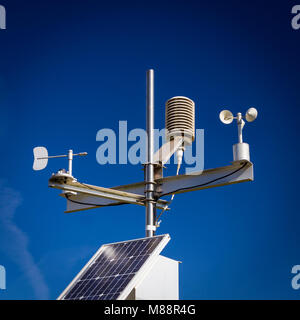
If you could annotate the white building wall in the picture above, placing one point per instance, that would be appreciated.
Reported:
(161, 282)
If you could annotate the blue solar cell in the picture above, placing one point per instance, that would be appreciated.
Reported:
(110, 271)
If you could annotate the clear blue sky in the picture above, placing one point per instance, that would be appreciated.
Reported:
(70, 68)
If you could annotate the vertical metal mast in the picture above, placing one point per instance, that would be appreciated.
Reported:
(70, 158)
(149, 166)
(241, 124)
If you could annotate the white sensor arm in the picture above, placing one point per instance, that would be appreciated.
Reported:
(167, 150)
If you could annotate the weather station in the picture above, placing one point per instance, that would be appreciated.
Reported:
(135, 269)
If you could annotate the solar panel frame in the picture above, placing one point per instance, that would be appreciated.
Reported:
(136, 277)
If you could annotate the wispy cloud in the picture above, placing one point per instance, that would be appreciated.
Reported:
(14, 242)
(62, 264)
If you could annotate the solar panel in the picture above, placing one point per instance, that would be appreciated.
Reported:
(114, 270)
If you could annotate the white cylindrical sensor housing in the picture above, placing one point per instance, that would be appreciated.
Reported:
(241, 152)
(180, 118)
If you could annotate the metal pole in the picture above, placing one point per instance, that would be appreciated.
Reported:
(149, 167)
(70, 158)
(240, 127)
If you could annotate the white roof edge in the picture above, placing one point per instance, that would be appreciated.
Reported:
(140, 275)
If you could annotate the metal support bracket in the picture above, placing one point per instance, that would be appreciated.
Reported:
(89, 197)
(84, 196)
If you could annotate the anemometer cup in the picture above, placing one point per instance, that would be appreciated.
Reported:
(226, 116)
(241, 152)
(251, 114)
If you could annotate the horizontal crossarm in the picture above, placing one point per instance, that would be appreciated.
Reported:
(83, 196)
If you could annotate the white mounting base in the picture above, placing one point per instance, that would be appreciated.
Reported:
(241, 152)
(160, 283)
